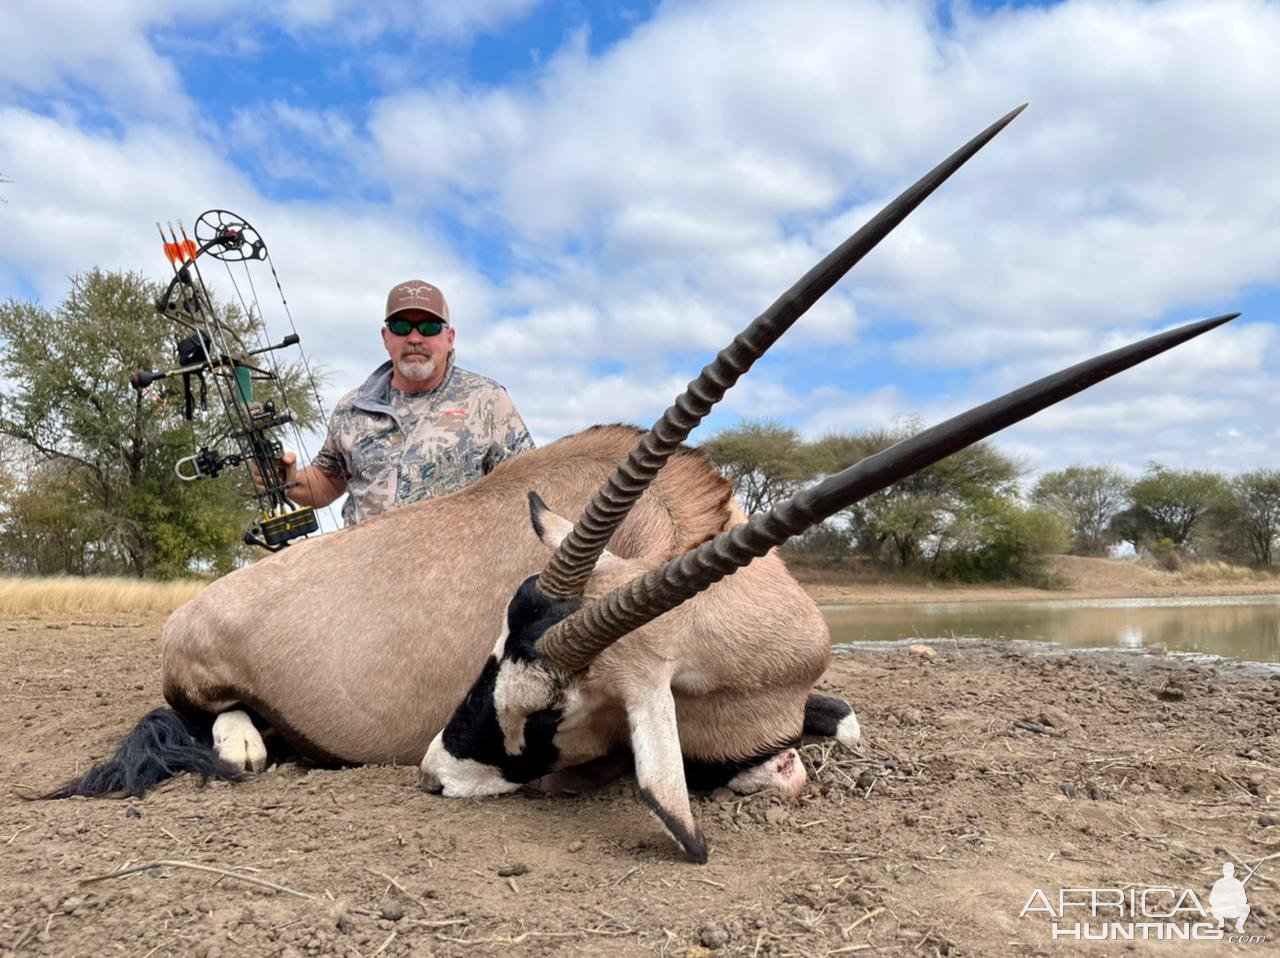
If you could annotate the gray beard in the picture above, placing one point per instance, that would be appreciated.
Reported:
(418, 369)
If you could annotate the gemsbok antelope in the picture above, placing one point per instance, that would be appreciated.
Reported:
(686, 642)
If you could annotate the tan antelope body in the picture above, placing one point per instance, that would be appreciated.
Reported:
(359, 645)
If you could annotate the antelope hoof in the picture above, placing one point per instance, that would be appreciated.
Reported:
(783, 771)
(849, 732)
(832, 718)
(238, 742)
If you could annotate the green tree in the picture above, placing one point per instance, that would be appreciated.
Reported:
(103, 453)
(1252, 519)
(1170, 504)
(1127, 525)
(1000, 538)
(766, 461)
(45, 528)
(1087, 498)
(913, 521)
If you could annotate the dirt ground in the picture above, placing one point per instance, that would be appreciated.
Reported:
(1142, 772)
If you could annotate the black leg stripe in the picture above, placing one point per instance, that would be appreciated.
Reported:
(694, 845)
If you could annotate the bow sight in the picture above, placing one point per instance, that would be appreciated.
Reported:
(211, 351)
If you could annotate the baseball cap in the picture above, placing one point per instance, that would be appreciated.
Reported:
(415, 294)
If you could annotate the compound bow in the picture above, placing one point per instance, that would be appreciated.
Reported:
(211, 349)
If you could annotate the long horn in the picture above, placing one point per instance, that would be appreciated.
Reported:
(566, 574)
(574, 642)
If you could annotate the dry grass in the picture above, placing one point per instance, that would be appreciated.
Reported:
(67, 594)
(1223, 572)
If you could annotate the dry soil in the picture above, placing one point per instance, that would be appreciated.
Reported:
(1144, 772)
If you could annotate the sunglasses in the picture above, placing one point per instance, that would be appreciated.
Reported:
(425, 327)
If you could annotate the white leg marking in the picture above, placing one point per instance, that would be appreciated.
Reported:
(655, 743)
(849, 732)
(238, 742)
(783, 771)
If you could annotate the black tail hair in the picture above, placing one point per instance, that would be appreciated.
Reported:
(161, 746)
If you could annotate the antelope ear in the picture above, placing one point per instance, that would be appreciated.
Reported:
(655, 742)
(552, 528)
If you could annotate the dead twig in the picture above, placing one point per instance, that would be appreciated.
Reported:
(421, 903)
(1228, 778)
(517, 940)
(23, 937)
(625, 877)
(625, 929)
(383, 947)
(1038, 728)
(867, 917)
(170, 863)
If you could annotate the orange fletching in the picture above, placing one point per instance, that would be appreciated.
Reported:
(179, 252)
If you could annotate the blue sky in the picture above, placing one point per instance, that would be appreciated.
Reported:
(607, 192)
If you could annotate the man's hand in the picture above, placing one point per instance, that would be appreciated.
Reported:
(303, 487)
(286, 464)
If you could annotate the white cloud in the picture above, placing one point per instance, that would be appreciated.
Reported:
(658, 194)
(80, 49)
(317, 147)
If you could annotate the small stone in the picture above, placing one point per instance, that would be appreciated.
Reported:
(1266, 821)
(777, 815)
(132, 813)
(922, 652)
(866, 780)
(339, 915)
(1069, 790)
(575, 846)
(911, 716)
(510, 871)
(73, 904)
(1055, 717)
(723, 795)
(910, 821)
(392, 911)
(714, 936)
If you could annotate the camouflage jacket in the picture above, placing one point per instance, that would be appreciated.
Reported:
(394, 448)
